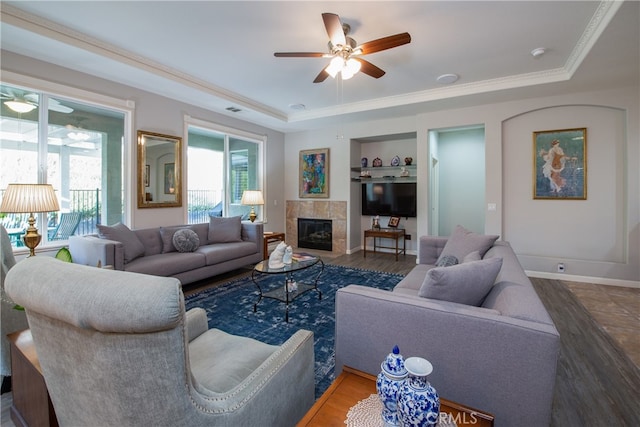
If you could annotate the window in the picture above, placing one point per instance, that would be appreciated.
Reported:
(221, 164)
(76, 146)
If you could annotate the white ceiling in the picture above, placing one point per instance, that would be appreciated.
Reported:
(217, 54)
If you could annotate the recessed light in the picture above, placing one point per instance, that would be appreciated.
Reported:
(539, 51)
(446, 79)
(297, 106)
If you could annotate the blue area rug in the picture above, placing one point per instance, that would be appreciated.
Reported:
(230, 308)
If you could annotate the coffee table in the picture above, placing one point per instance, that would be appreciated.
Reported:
(281, 293)
(352, 386)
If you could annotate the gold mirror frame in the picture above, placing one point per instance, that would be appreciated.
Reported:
(159, 170)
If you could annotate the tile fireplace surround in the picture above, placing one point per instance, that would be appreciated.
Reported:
(333, 210)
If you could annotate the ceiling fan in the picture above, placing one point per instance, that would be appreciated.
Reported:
(24, 103)
(346, 53)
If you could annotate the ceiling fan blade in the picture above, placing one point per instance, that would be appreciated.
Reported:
(384, 43)
(56, 106)
(299, 54)
(369, 69)
(334, 29)
(322, 76)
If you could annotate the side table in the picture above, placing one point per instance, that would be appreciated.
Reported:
(386, 233)
(32, 405)
(352, 386)
(270, 237)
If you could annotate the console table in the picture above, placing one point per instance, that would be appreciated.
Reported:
(31, 405)
(386, 233)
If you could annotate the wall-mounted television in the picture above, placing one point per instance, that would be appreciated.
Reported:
(389, 198)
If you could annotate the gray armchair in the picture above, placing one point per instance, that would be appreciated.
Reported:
(117, 348)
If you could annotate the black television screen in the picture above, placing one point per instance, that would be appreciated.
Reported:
(389, 198)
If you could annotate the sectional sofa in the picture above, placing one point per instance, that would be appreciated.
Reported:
(495, 351)
(187, 252)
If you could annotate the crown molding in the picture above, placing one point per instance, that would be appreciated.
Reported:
(13, 16)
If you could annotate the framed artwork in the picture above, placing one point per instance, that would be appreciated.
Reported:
(394, 221)
(169, 178)
(146, 175)
(560, 164)
(314, 173)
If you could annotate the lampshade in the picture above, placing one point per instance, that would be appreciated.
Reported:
(252, 198)
(29, 198)
(20, 106)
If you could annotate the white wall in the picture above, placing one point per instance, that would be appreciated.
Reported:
(600, 237)
(166, 116)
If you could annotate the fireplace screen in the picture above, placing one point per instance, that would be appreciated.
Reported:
(315, 234)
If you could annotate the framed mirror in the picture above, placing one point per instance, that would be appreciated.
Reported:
(159, 170)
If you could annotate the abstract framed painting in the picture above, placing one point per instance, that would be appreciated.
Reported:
(314, 173)
(560, 164)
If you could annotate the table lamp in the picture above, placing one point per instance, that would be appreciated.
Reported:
(252, 198)
(30, 198)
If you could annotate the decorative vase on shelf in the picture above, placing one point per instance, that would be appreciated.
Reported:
(364, 162)
(391, 377)
(377, 162)
(408, 161)
(418, 401)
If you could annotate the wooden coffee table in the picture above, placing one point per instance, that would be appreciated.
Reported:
(352, 386)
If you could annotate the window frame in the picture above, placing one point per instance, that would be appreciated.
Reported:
(48, 90)
(228, 132)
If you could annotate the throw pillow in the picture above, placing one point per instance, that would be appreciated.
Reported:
(447, 261)
(467, 283)
(133, 247)
(462, 242)
(473, 256)
(186, 240)
(225, 229)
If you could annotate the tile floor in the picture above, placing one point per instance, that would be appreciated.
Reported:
(617, 311)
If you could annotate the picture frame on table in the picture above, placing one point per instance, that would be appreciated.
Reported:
(394, 221)
(314, 173)
(560, 164)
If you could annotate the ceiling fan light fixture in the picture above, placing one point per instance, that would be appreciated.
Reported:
(20, 106)
(78, 136)
(334, 66)
(351, 67)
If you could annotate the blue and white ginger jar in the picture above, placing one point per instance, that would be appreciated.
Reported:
(390, 379)
(418, 401)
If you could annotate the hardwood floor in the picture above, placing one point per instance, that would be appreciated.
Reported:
(590, 388)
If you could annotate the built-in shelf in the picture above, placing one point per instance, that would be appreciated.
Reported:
(384, 174)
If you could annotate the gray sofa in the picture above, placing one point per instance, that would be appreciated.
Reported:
(151, 250)
(498, 357)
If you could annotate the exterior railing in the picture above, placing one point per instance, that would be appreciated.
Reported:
(200, 204)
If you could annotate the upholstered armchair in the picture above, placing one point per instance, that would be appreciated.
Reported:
(117, 348)
(12, 319)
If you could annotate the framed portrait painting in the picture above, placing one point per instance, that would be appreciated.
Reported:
(314, 173)
(560, 164)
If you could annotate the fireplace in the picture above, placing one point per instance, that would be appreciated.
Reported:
(315, 234)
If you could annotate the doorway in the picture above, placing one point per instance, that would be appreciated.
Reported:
(457, 180)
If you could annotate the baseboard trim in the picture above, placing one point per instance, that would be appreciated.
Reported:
(585, 279)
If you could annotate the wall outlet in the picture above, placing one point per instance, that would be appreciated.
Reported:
(560, 267)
